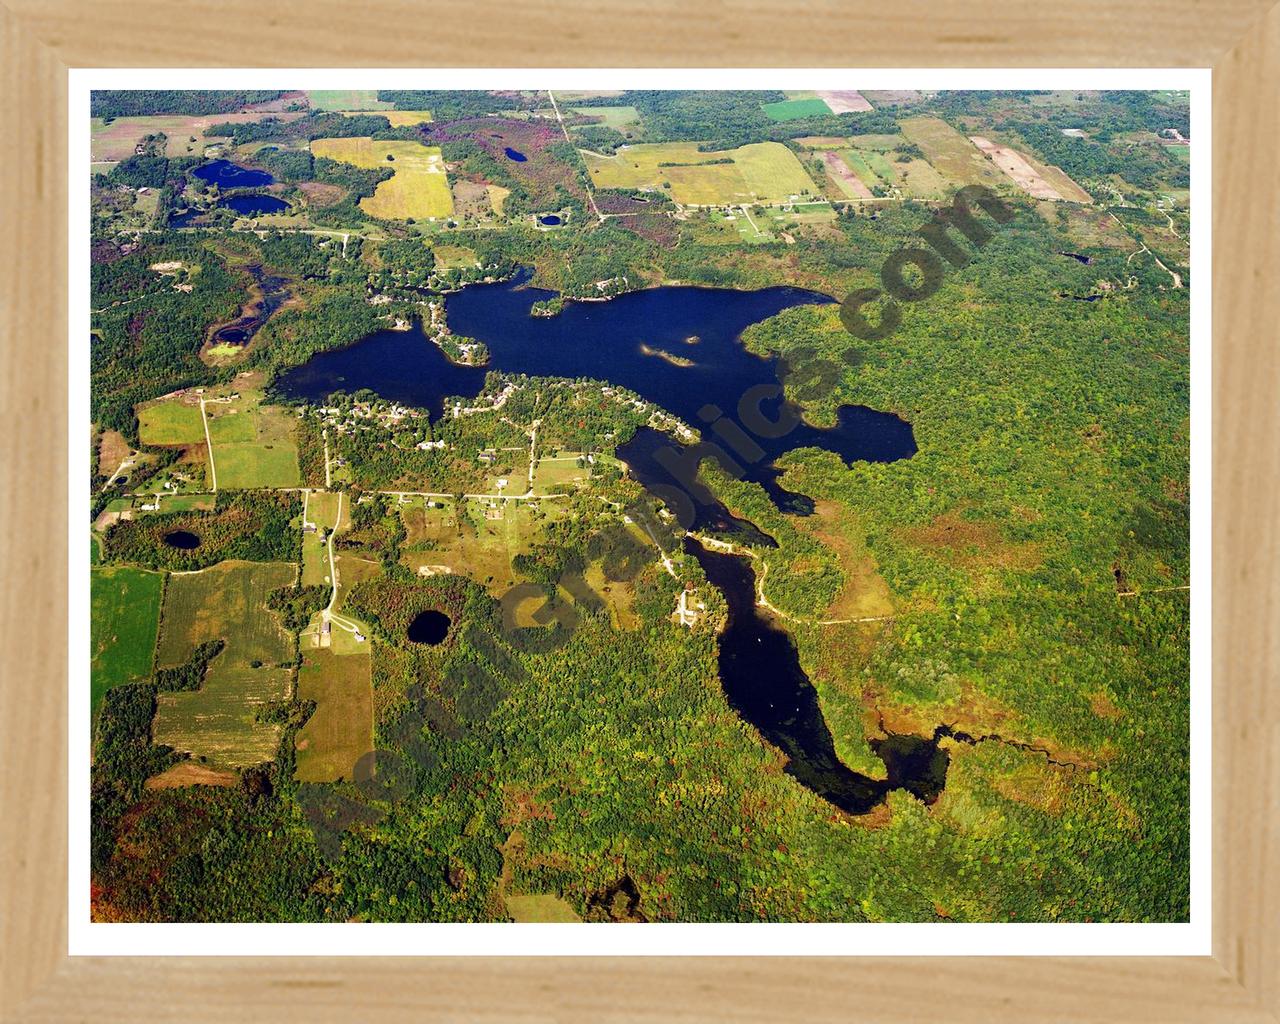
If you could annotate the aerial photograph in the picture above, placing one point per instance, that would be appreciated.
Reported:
(639, 506)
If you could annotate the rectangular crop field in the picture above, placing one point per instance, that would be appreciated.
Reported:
(844, 101)
(950, 153)
(878, 143)
(792, 110)
(170, 422)
(253, 444)
(763, 172)
(612, 117)
(229, 602)
(346, 99)
(125, 616)
(418, 189)
(340, 730)
(406, 118)
(1029, 175)
(850, 185)
(856, 163)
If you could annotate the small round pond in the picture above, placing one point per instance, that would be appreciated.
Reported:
(515, 154)
(550, 220)
(429, 627)
(184, 539)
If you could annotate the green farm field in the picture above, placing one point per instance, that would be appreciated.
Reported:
(611, 117)
(227, 602)
(340, 730)
(253, 444)
(951, 154)
(418, 189)
(760, 172)
(125, 616)
(170, 422)
(792, 110)
(354, 100)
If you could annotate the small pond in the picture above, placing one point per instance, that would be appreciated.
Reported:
(225, 174)
(251, 206)
(515, 154)
(429, 627)
(184, 539)
(550, 220)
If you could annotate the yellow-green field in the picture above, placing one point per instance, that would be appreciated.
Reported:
(125, 614)
(406, 118)
(612, 117)
(558, 475)
(763, 172)
(228, 602)
(950, 153)
(322, 511)
(253, 444)
(346, 99)
(418, 189)
(170, 422)
(480, 547)
(541, 908)
(340, 730)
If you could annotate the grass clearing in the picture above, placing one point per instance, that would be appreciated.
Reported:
(354, 100)
(124, 610)
(611, 117)
(950, 153)
(476, 546)
(541, 908)
(419, 189)
(758, 173)
(229, 602)
(170, 422)
(253, 444)
(793, 110)
(340, 731)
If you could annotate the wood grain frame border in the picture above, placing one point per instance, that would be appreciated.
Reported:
(41, 39)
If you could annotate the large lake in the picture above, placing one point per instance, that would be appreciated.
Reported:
(677, 347)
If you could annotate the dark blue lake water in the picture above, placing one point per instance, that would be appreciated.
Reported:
(550, 220)
(515, 154)
(251, 206)
(225, 174)
(677, 347)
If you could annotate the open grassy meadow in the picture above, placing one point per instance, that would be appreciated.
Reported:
(418, 189)
(125, 616)
(253, 444)
(355, 100)
(170, 422)
(950, 153)
(792, 110)
(763, 172)
(340, 730)
(321, 512)
(227, 602)
(406, 118)
(611, 117)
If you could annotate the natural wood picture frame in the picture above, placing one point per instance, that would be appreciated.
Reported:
(1239, 39)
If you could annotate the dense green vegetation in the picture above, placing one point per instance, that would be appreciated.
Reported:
(139, 102)
(252, 525)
